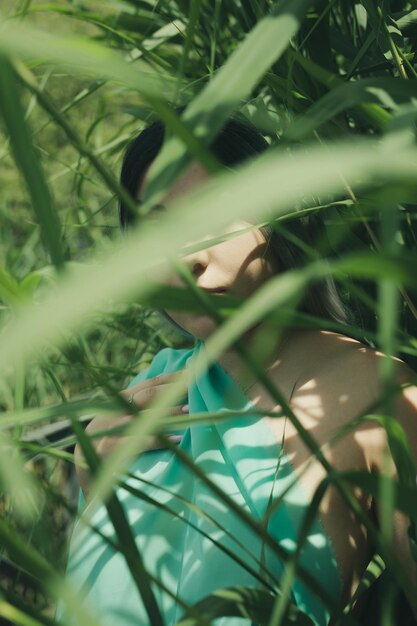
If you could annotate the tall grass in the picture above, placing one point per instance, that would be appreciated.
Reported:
(333, 88)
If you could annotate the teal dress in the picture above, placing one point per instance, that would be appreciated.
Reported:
(240, 455)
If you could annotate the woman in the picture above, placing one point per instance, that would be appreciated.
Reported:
(326, 378)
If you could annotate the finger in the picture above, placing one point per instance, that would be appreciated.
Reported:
(160, 445)
(158, 380)
(102, 425)
(111, 437)
(172, 411)
(144, 396)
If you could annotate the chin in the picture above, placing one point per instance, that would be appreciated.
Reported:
(200, 326)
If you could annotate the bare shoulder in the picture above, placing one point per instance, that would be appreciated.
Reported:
(335, 379)
(344, 363)
(341, 380)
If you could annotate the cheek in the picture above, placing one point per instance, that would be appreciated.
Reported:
(250, 252)
(246, 261)
(260, 270)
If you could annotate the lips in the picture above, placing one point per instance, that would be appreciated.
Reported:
(217, 290)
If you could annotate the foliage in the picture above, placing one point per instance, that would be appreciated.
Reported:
(331, 84)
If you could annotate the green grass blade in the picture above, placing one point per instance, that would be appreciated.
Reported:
(135, 259)
(372, 574)
(244, 602)
(230, 86)
(383, 91)
(17, 481)
(125, 538)
(374, 113)
(28, 162)
(24, 555)
(85, 57)
(405, 498)
(10, 292)
(245, 565)
(13, 615)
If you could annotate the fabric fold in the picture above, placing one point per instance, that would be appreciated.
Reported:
(239, 455)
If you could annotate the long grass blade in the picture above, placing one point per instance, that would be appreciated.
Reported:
(387, 92)
(28, 162)
(234, 82)
(136, 259)
(126, 541)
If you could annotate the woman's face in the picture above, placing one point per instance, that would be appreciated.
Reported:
(238, 266)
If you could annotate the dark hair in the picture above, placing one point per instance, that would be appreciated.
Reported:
(237, 141)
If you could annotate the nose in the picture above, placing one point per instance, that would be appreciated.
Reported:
(196, 262)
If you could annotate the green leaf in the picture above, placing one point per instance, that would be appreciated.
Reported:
(371, 575)
(15, 616)
(405, 498)
(387, 92)
(17, 481)
(28, 162)
(244, 602)
(276, 182)
(374, 113)
(10, 291)
(124, 534)
(231, 85)
(84, 56)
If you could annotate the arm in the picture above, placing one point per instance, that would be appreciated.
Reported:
(142, 394)
(405, 413)
(339, 386)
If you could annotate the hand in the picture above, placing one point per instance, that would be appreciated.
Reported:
(141, 395)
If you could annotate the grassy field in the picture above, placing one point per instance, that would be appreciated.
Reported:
(332, 83)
